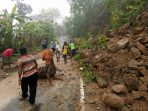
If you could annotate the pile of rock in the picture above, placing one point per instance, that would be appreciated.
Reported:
(123, 68)
(128, 60)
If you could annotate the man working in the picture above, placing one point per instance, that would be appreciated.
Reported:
(27, 75)
(72, 48)
(6, 57)
(47, 56)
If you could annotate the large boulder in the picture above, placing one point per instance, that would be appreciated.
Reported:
(138, 30)
(131, 82)
(112, 48)
(85, 53)
(133, 64)
(135, 53)
(143, 88)
(113, 100)
(145, 79)
(142, 48)
(143, 71)
(102, 58)
(137, 94)
(128, 100)
(123, 42)
(119, 88)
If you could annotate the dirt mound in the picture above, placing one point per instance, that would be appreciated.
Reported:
(125, 62)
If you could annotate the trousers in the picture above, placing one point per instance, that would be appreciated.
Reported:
(31, 84)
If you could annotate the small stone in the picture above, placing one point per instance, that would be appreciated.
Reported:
(102, 83)
(98, 108)
(92, 102)
(72, 78)
(7, 74)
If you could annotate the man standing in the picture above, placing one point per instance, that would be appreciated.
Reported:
(43, 42)
(65, 51)
(6, 57)
(72, 48)
(27, 75)
(53, 46)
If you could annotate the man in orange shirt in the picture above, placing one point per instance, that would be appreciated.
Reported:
(47, 56)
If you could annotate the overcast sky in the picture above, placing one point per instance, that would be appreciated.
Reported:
(37, 5)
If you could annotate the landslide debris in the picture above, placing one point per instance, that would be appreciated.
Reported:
(122, 69)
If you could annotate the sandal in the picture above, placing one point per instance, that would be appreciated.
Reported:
(22, 98)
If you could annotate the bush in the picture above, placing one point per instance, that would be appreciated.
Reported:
(85, 44)
(77, 57)
(102, 41)
(87, 74)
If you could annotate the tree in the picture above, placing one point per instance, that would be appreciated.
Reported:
(95, 16)
(23, 8)
(25, 31)
(88, 17)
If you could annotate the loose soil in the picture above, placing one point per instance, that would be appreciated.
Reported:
(62, 96)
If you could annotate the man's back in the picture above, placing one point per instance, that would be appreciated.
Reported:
(72, 46)
(28, 65)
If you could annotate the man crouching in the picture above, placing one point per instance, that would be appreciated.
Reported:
(47, 56)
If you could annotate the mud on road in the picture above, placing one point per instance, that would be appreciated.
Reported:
(64, 95)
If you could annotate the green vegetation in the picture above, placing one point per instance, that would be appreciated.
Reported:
(85, 44)
(18, 29)
(87, 74)
(77, 57)
(97, 16)
(102, 41)
(124, 11)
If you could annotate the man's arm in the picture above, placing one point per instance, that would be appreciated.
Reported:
(63, 49)
(43, 55)
(36, 65)
(19, 73)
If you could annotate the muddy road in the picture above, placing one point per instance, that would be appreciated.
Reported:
(64, 95)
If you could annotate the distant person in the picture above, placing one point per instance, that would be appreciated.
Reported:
(6, 57)
(65, 51)
(47, 56)
(27, 75)
(72, 48)
(57, 52)
(44, 42)
(53, 46)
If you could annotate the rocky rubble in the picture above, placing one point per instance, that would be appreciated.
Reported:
(124, 65)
